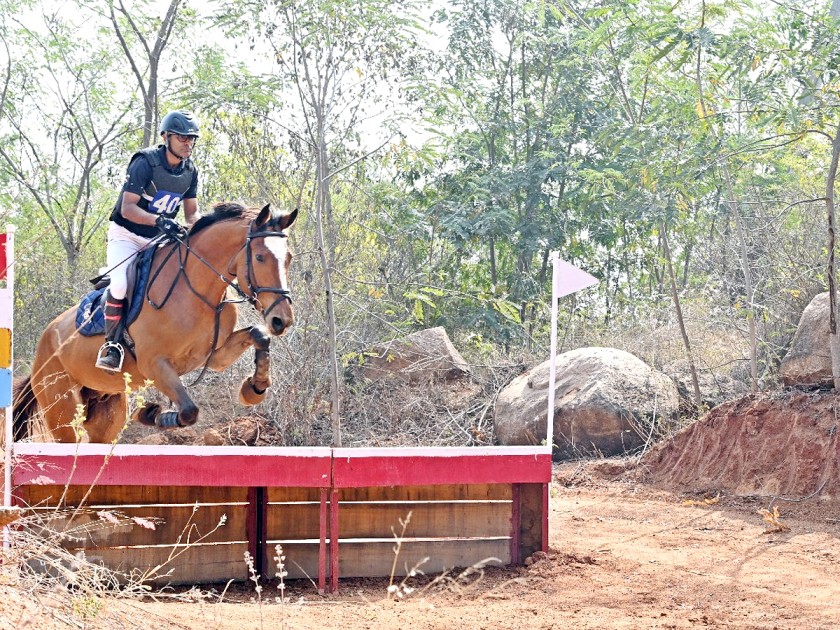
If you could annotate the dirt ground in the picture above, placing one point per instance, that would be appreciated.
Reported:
(733, 523)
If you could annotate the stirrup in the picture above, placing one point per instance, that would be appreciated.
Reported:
(105, 354)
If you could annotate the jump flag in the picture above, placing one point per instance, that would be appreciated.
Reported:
(565, 280)
(569, 279)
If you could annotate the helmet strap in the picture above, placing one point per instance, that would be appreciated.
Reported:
(168, 144)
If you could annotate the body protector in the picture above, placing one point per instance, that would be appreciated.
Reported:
(162, 195)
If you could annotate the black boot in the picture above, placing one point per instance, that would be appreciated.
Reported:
(111, 353)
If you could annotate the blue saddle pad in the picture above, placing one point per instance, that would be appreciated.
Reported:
(90, 318)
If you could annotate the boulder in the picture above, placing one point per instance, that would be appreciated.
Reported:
(808, 361)
(716, 387)
(421, 356)
(607, 402)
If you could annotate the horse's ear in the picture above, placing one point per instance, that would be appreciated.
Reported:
(286, 221)
(263, 216)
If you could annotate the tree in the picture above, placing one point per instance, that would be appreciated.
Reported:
(337, 56)
(147, 78)
(62, 115)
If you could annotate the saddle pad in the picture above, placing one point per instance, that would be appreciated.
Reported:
(90, 318)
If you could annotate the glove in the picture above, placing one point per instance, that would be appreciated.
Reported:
(170, 228)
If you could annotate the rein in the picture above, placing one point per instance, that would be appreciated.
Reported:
(253, 287)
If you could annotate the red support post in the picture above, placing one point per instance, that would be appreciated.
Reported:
(545, 515)
(516, 524)
(334, 541)
(322, 544)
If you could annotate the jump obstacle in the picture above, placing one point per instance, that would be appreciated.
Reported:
(335, 512)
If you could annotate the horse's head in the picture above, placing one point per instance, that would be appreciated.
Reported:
(263, 268)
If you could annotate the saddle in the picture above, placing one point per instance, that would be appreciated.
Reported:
(90, 318)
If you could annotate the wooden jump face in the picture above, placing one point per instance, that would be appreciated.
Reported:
(335, 512)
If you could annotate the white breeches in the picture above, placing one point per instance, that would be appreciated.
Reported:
(122, 246)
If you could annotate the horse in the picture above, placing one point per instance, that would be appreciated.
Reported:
(186, 323)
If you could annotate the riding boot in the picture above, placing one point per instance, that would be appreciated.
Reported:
(111, 353)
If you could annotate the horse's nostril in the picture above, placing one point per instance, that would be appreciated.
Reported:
(277, 325)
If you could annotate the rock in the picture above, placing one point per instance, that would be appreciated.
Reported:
(808, 361)
(212, 437)
(155, 439)
(243, 431)
(715, 387)
(184, 436)
(419, 357)
(607, 402)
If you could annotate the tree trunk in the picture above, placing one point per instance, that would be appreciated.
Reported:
(666, 249)
(832, 279)
(148, 90)
(322, 210)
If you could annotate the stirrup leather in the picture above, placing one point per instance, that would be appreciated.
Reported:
(103, 353)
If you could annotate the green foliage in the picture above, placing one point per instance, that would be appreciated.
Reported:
(574, 127)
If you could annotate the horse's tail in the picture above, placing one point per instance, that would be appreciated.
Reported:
(25, 406)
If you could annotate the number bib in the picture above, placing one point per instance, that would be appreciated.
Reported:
(164, 202)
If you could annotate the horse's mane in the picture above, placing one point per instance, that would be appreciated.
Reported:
(225, 210)
(222, 211)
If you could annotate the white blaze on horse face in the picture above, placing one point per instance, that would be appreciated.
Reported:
(277, 246)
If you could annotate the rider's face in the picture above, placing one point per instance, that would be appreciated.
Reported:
(182, 146)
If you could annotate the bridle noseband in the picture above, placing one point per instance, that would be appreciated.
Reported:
(253, 287)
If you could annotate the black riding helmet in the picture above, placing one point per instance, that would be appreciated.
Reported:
(181, 122)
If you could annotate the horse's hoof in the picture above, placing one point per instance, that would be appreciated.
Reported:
(147, 415)
(249, 394)
(168, 420)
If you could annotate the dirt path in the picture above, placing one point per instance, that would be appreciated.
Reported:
(644, 546)
(623, 555)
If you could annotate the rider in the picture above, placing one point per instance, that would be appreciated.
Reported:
(159, 181)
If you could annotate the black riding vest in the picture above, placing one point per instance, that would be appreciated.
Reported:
(162, 195)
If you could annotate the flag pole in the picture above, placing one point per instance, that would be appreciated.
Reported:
(552, 366)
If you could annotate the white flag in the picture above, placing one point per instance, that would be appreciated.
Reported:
(568, 278)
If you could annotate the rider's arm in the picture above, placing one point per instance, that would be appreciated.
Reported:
(190, 210)
(137, 179)
(189, 203)
(131, 211)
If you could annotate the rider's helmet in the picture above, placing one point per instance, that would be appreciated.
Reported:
(181, 122)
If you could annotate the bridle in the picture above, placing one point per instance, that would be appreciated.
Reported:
(245, 296)
(253, 287)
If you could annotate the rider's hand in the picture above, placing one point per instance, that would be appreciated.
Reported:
(170, 227)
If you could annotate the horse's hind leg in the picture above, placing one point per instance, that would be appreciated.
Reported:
(106, 417)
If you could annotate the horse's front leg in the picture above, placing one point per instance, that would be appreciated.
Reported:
(253, 388)
(168, 382)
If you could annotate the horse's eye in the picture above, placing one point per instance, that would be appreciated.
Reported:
(260, 258)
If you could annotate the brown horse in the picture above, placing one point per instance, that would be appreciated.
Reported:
(185, 324)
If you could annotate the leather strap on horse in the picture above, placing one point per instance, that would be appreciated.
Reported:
(253, 288)
(283, 294)
(217, 309)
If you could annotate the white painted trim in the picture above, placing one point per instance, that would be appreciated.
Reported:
(439, 451)
(149, 450)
